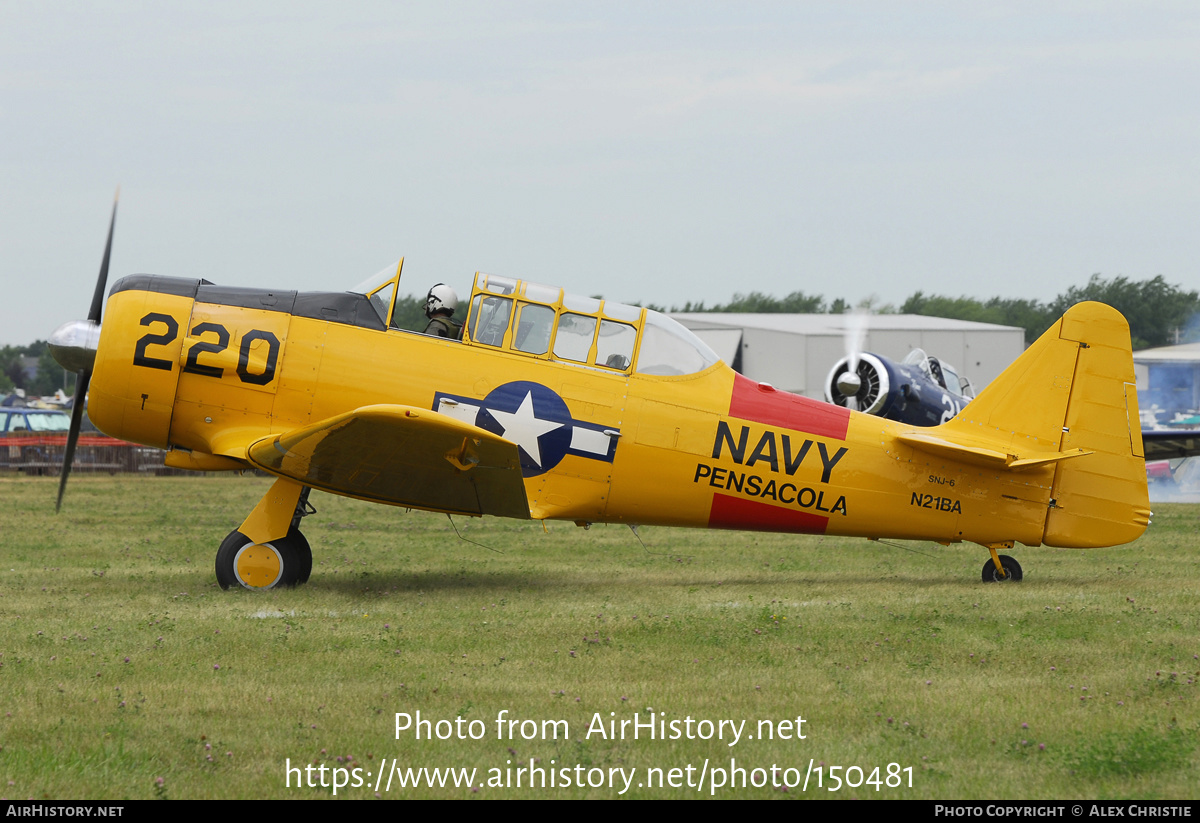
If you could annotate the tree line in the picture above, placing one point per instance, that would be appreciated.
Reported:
(44, 379)
(1159, 314)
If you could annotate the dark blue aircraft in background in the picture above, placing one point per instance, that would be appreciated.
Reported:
(920, 390)
(924, 391)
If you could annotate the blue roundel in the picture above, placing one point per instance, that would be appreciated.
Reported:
(533, 417)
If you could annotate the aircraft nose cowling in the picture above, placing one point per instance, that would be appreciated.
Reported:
(74, 344)
(865, 389)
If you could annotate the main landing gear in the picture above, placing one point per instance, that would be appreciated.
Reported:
(286, 561)
(1001, 568)
(268, 551)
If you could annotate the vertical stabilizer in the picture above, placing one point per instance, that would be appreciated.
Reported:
(1025, 408)
(1073, 389)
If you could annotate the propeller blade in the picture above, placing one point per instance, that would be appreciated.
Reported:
(855, 336)
(102, 280)
(85, 374)
(81, 387)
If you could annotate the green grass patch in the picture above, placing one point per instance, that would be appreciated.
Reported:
(122, 663)
(1131, 753)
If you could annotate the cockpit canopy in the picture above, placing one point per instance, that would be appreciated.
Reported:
(940, 372)
(380, 289)
(539, 321)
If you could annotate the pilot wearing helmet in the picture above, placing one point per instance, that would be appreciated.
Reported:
(440, 304)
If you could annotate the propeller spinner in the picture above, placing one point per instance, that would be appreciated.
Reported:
(74, 345)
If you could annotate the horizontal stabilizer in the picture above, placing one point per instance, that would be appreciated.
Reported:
(983, 455)
(404, 456)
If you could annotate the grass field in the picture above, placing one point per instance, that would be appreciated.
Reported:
(126, 673)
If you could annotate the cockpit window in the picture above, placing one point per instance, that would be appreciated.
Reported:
(533, 327)
(380, 289)
(574, 338)
(496, 285)
(576, 302)
(953, 384)
(381, 301)
(670, 349)
(533, 319)
(489, 319)
(939, 372)
(619, 311)
(614, 349)
(542, 294)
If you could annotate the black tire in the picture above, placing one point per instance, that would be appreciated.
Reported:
(1012, 570)
(303, 555)
(291, 555)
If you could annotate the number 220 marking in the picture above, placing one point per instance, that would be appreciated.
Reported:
(192, 363)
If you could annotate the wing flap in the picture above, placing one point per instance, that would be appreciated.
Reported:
(404, 456)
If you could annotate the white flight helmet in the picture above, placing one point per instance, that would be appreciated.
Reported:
(440, 298)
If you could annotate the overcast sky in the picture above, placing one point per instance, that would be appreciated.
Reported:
(646, 151)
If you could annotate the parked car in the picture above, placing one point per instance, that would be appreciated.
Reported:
(33, 441)
(13, 419)
(33, 438)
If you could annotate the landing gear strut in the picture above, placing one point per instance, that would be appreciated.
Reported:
(268, 551)
(1001, 568)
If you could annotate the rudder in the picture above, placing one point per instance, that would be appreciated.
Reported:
(1100, 499)
(1073, 389)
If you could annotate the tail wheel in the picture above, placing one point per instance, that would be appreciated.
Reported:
(1012, 571)
(280, 563)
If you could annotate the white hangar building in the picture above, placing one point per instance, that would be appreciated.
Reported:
(795, 352)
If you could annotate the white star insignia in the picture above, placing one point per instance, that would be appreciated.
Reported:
(524, 428)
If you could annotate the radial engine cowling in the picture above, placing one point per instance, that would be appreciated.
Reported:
(865, 388)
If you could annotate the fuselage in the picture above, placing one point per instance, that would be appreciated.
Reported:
(193, 367)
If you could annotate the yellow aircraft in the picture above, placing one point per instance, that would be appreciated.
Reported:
(556, 406)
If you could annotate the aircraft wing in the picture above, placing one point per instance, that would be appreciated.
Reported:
(1165, 444)
(404, 456)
